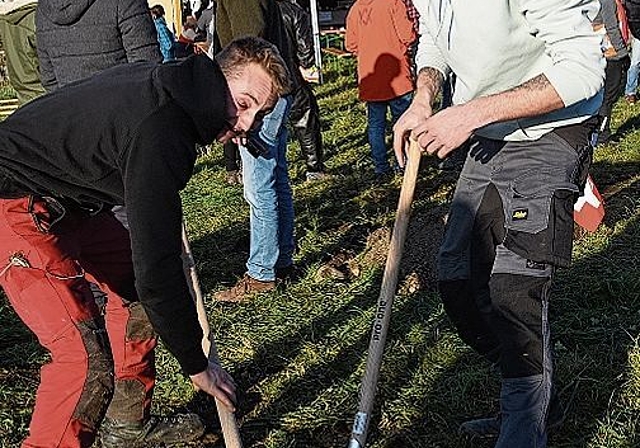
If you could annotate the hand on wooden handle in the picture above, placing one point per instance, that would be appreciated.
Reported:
(218, 383)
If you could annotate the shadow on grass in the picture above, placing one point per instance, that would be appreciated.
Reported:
(591, 321)
(626, 128)
(274, 357)
(607, 174)
(277, 356)
(618, 183)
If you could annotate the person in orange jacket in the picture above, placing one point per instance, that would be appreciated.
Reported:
(380, 34)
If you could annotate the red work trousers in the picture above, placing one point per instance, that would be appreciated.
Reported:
(101, 357)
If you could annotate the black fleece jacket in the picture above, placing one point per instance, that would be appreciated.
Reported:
(127, 137)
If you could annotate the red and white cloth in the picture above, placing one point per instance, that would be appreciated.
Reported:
(588, 211)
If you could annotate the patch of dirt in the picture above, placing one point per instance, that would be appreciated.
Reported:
(418, 265)
(346, 265)
(424, 236)
(342, 267)
(377, 247)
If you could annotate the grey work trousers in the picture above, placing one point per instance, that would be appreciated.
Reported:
(510, 226)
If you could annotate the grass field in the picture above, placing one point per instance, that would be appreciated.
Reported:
(298, 353)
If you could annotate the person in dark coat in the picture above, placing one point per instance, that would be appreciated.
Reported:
(304, 116)
(78, 38)
(125, 136)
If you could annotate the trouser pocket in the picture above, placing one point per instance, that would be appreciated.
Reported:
(539, 216)
(45, 212)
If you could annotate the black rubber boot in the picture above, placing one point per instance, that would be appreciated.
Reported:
(157, 431)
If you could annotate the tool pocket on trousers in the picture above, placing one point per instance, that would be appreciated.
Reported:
(539, 217)
(52, 297)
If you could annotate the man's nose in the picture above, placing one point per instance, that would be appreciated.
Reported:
(246, 120)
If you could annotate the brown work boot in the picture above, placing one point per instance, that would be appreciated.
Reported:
(246, 287)
(156, 431)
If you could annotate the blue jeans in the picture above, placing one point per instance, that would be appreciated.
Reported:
(634, 68)
(268, 192)
(377, 127)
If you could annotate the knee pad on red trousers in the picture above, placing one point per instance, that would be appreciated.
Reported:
(134, 370)
(98, 387)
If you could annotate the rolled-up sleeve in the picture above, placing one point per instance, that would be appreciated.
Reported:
(577, 70)
(427, 53)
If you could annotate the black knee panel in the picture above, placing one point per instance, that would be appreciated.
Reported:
(462, 309)
(518, 317)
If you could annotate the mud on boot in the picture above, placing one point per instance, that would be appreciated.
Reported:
(156, 431)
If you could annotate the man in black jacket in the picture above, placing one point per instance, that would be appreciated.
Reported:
(77, 39)
(123, 137)
(304, 116)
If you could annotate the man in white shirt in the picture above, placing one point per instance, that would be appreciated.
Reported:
(529, 79)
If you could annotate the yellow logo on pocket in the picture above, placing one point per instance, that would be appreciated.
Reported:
(520, 214)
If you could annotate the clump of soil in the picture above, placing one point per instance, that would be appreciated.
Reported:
(341, 266)
(377, 248)
(345, 265)
(418, 265)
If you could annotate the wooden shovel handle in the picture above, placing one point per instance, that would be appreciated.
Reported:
(228, 422)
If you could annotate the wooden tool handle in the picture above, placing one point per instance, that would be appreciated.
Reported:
(385, 301)
(230, 430)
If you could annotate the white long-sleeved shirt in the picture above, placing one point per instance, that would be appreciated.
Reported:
(495, 45)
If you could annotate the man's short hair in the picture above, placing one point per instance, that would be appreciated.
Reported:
(255, 50)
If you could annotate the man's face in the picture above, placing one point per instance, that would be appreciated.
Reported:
(249, 97)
